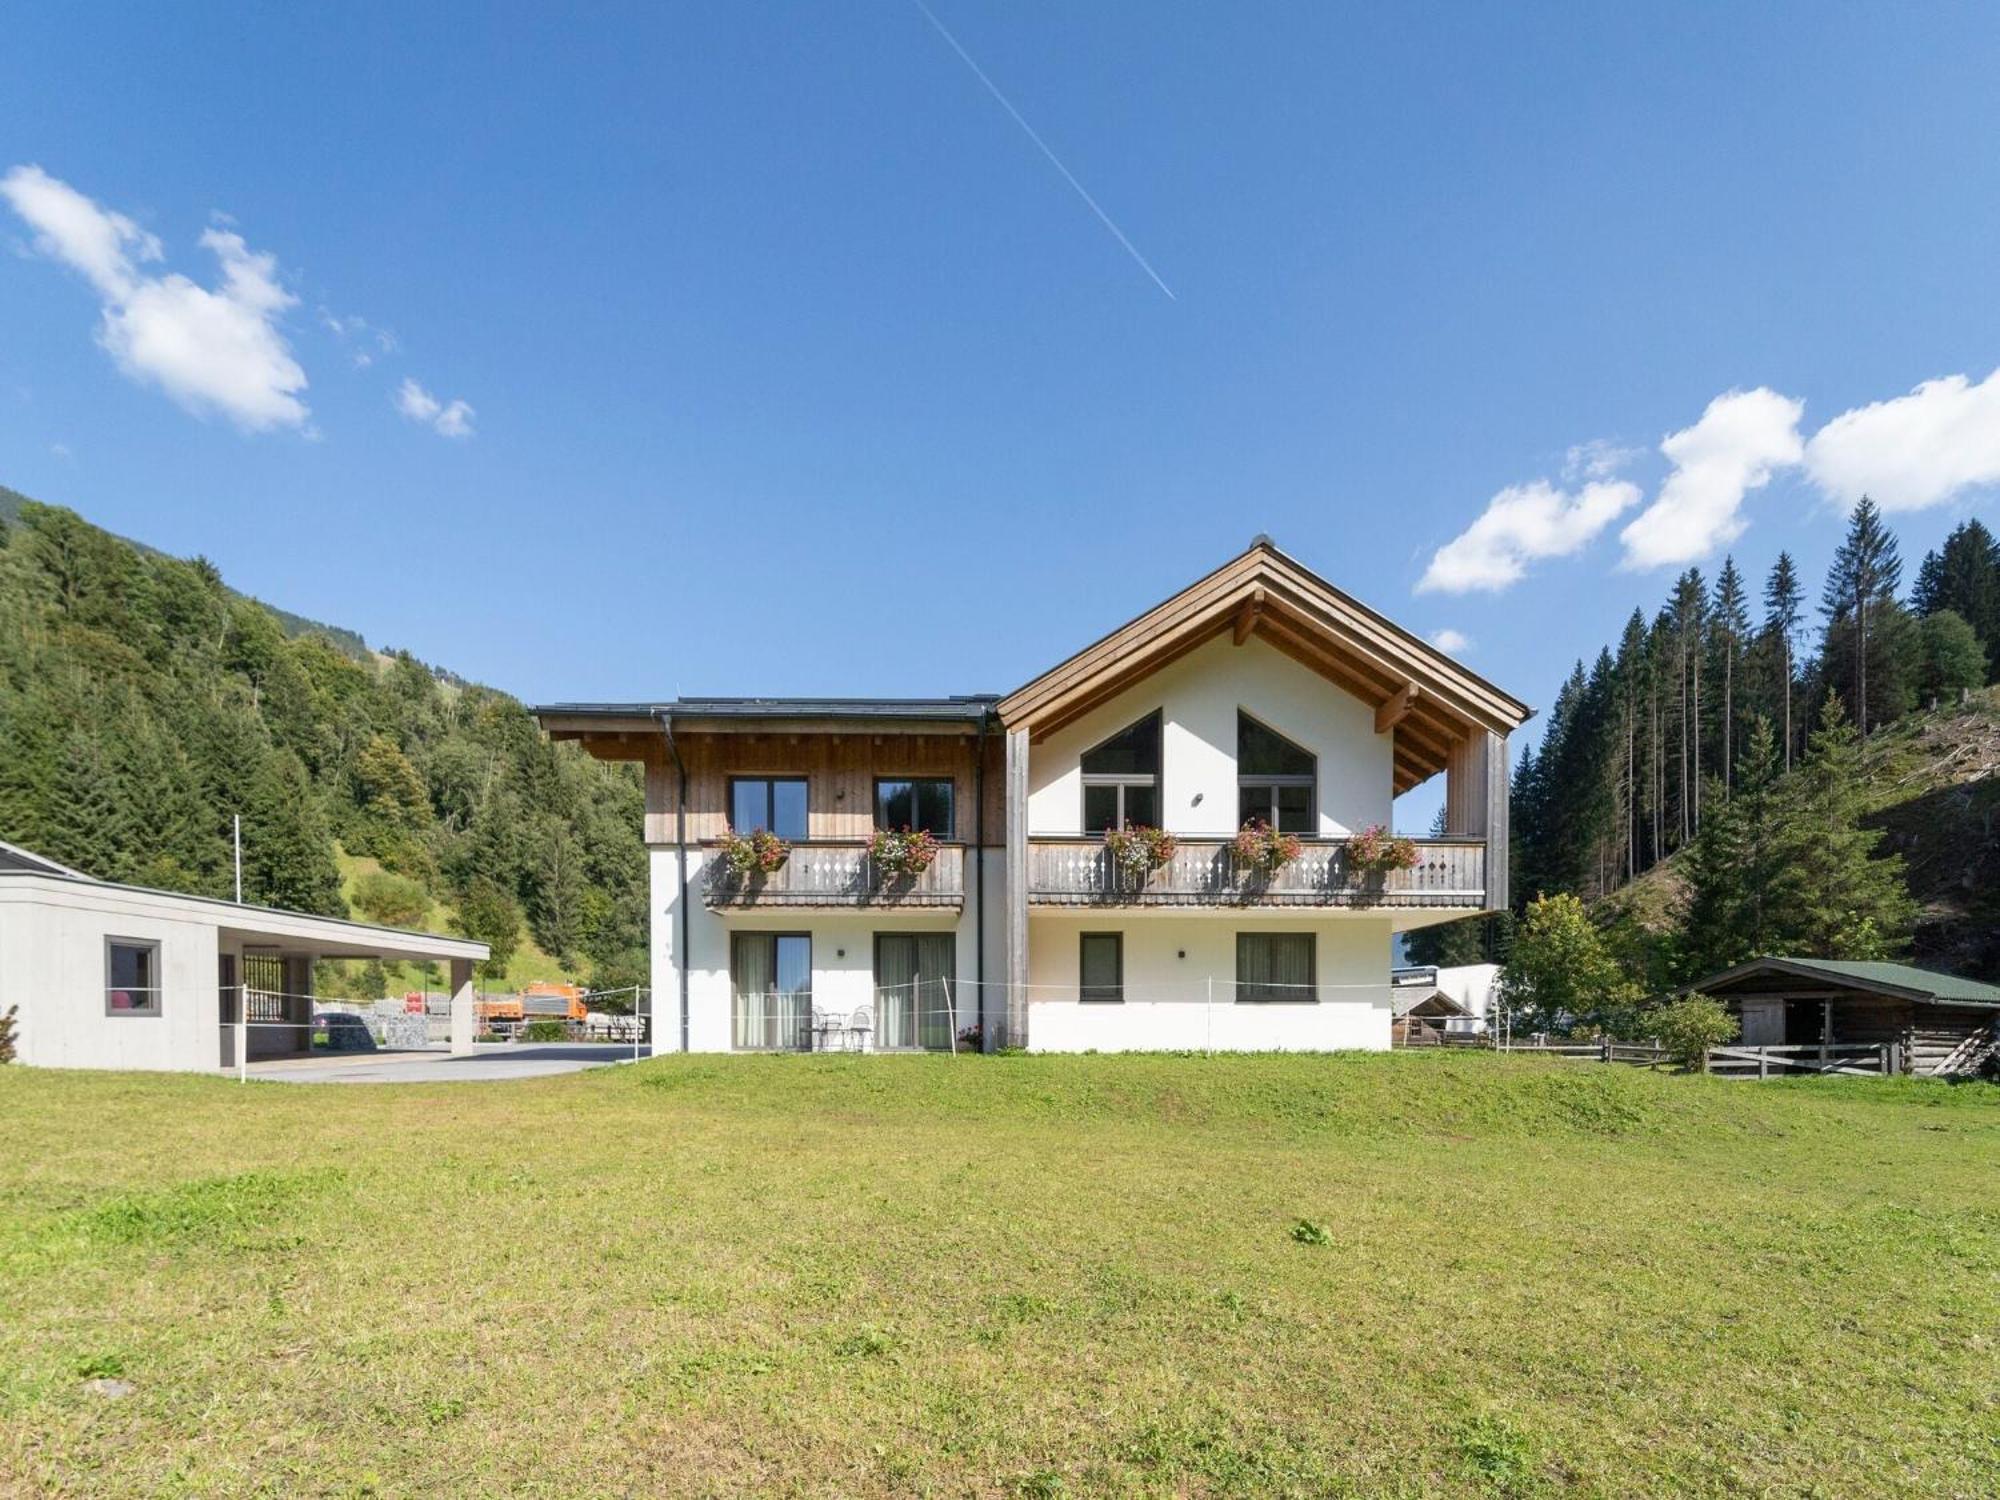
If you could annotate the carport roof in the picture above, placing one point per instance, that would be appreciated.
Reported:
(330, 937)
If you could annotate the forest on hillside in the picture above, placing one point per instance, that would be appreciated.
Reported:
(143, 704)
(1704, 716)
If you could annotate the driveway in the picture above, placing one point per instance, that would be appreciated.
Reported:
(488, 1063)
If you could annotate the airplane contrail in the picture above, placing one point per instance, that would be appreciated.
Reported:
(1042, 145)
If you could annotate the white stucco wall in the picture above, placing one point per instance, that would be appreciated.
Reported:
(52, 965)
(1171, 1004)
(1199, 696)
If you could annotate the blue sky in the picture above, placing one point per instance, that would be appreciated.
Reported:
(789, 364)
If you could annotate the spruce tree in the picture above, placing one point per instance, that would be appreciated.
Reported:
(1732, 866)
(1867, 570)
(1831, 895)
(1964, 577)
(1784, 606)
(1729, 627)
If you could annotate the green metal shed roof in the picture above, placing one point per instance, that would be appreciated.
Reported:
(1905, 980)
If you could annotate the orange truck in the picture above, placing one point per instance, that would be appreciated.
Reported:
(552, 1002)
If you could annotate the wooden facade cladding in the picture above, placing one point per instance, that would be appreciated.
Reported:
(840, 768)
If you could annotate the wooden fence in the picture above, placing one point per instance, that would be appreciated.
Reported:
(1605, 1049)
(1857, 1059)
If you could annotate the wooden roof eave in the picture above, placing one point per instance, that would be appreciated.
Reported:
(1264, 592)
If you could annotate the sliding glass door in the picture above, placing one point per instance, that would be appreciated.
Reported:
(915, 989)
(770, 977)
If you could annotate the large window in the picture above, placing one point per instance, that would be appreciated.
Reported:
(131, 977)
(1273, 967)
(1274, 778)
(1101, 968)
(1121, 778)
(774, 802)
(915, 989)
(770, 976)
(923, 805)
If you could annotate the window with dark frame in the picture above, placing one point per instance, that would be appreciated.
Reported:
(770, 982)
(1121, 778)
(1276, 780)
(774, 802)
(1101, 968)
(921, 804)
(131, 977)
(1274, 968)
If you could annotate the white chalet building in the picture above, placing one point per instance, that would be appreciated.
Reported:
(1261, 693)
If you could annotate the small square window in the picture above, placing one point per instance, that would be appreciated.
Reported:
(131, 978)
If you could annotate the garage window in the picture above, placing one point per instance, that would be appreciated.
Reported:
(131, 977)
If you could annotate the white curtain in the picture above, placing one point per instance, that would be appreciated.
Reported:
(913, 989)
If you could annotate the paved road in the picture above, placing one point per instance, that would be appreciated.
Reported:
(488, 1063)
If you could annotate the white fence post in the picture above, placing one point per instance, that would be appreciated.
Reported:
(243, 1033)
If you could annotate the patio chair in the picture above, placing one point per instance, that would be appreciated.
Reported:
(859, 1027)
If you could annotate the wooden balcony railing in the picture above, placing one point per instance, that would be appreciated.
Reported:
(1449, 873)
(837, 875)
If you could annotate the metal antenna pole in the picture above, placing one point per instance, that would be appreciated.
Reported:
(236, 837)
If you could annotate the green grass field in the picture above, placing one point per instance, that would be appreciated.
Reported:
(1014, 1275)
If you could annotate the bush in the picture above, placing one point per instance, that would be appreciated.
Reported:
(7, 1023)
(545, 1031)
(392, 900)
(1687, 1028)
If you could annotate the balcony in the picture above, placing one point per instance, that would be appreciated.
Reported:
(1450, 874)
(836, 877)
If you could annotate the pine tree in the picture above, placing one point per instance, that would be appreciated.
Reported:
(1866, 572)
(1784, 606)
(1729, 627)
(1732, 866)
(1964, 577)
(1831, 897)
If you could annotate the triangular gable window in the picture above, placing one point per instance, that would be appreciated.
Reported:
(1121, 778)
(1276, 780)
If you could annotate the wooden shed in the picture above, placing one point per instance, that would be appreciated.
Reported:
(1942, 1025)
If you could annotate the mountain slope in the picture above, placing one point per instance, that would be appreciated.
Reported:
(1932, 783)
(144, 704)
(13, 504)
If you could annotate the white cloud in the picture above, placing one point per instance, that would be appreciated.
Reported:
(1915, 451)
(1522, 523)
(1450, 641)
(452, 419)
(1600, 458)
(1741, 440)
(210, 350)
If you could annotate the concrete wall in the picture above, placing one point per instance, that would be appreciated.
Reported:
(1199, 696)
(1170, 961)
(52, 965)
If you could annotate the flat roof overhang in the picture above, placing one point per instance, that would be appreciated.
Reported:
(254, 926)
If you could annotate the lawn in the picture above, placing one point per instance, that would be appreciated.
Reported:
(1013, 1275)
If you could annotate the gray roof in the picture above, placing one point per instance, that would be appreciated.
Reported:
(967, 709)
(13, 858)
(1905, 981)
